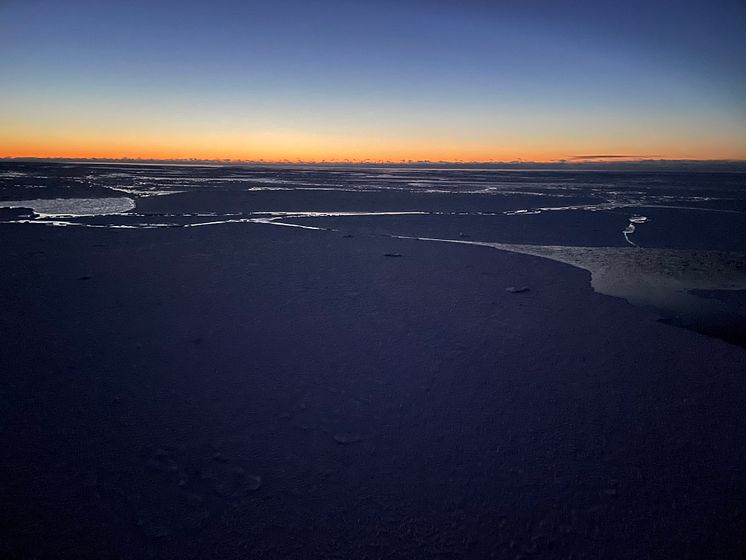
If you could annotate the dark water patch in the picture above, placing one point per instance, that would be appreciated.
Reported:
(686, 228)
(570, 228)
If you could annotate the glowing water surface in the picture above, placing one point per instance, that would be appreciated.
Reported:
(73, 207)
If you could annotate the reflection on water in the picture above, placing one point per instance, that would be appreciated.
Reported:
(662, 279)
(73, 207)
(631, 227)
(706, 210)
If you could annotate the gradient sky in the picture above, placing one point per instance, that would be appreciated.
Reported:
(332, 80)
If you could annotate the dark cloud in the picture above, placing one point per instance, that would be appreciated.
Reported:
(614, 156)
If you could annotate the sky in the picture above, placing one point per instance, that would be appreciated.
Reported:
(409, 80)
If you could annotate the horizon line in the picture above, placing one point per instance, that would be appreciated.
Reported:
(591, 162)
(517, 161)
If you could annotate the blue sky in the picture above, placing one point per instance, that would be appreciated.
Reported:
(383, 80)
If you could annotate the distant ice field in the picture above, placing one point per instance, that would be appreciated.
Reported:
(645, 209)
(663, 240)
